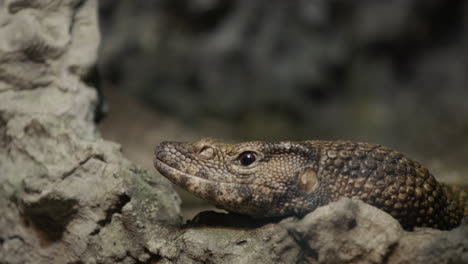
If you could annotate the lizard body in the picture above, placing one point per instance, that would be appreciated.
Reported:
(270, 179)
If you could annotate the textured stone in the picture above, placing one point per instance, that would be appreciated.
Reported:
(348, 232)
(61, 185)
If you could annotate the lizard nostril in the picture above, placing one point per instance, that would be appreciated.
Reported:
(206, 152)
(204, 147)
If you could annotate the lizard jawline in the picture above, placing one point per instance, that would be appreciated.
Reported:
(228, 195)
(174, 175)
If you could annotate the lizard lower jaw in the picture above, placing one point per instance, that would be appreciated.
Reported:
(180, 177)
(187, 181)
(234, 197)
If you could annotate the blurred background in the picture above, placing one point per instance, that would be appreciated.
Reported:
(387, 72)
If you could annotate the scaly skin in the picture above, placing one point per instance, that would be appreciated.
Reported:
(293, 178)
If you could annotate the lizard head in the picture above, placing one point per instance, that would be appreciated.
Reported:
(254, 178)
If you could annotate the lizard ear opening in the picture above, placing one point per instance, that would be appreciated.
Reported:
(308, 180)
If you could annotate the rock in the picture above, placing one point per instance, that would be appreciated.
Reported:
(61, 185)
(348, 232)
(445, 247)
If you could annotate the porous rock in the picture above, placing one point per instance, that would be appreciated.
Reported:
(61, 185)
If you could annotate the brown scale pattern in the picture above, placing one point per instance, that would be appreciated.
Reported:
(294, 178)
(388, 180)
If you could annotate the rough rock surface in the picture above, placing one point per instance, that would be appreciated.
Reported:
(67, 196)
(60, 184)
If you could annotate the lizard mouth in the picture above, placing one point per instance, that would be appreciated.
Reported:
(227, 195)
(174, 174)
(180, 177)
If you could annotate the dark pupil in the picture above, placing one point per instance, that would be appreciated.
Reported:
(247, 158)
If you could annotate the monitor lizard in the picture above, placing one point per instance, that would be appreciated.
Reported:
(271, 179)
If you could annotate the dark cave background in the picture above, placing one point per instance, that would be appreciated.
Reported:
(387, 72)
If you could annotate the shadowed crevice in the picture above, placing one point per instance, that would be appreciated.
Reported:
(122, 200)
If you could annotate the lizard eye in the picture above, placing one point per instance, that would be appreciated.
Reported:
(247, 158)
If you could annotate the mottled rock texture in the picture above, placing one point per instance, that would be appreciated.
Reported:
(60, 184)
(67, 196)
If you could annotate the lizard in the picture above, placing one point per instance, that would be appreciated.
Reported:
(285, 178)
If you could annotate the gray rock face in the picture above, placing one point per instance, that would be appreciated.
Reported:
(354, 232)
(67, 196)
(60, 184)
(346, 231)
